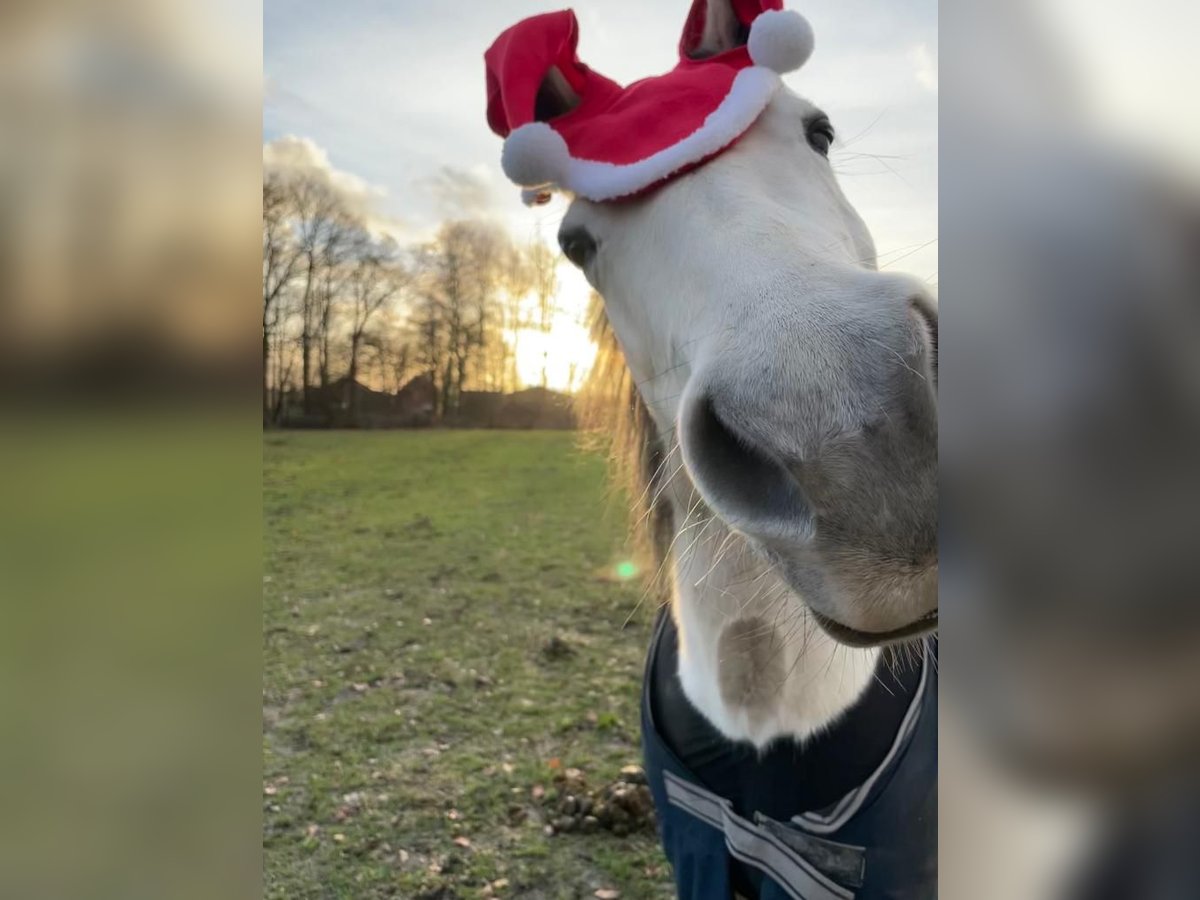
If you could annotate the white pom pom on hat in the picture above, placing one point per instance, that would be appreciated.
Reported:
(780, 40)
(535, 155)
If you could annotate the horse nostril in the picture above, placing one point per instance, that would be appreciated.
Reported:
(743, 483)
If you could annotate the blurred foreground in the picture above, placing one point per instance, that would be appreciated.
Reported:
(130, 537)
(1070, 435)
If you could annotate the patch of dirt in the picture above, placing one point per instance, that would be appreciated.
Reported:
(623, 806)
(557, 649)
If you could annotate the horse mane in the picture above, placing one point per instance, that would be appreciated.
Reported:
(614, 420)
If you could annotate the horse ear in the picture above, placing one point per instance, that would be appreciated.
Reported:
(533, 73)
(713, 27)
(555, 96)
(777, 39)
(534, 154)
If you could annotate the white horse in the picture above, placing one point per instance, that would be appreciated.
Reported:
(776, 395)
(774, 398)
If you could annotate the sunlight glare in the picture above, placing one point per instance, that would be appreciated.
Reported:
(566, 352)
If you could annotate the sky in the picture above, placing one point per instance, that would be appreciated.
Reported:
(388, 95)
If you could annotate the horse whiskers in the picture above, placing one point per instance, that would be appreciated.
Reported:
(666, 556)
(837, 648)
(851, 141)
(765, 586)
(903, 362)
(858, 153)
(720, 555)
(685, 362)
(658, 494)
(658, 375)
(699, 536)
(911, 252)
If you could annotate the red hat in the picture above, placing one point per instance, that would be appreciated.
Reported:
(568, 127)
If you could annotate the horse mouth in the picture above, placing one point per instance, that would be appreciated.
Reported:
(852, 637)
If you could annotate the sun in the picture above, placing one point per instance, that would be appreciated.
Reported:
(565, 353)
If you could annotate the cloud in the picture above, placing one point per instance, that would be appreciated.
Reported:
(292, 155)
(926, 67)
(300, 155)
(461, 193)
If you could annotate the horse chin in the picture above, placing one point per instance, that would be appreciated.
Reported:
(867, 605)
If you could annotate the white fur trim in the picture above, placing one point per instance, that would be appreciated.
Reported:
(752, 90)
(535, 155)
(780, 40)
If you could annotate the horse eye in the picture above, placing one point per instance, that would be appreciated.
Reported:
(820, 135)
(577, 245)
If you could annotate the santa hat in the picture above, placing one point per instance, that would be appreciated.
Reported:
(568, 127)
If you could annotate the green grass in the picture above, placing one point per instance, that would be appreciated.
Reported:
(412, 580)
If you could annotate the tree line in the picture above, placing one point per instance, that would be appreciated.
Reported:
(345, 303)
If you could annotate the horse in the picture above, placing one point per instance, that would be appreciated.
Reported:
(771, 396)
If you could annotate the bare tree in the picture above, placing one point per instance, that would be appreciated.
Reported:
(399, 364)
(283, 352)
(389, 342)
(456, 313)
(543, 276)
(432, 314)
(375, 277)
(318, 216)
(332, 302)
(281, 263)
(517, 281)
(338, 257)
(387, 353)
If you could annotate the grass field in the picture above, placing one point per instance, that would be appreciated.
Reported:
(414, 691)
